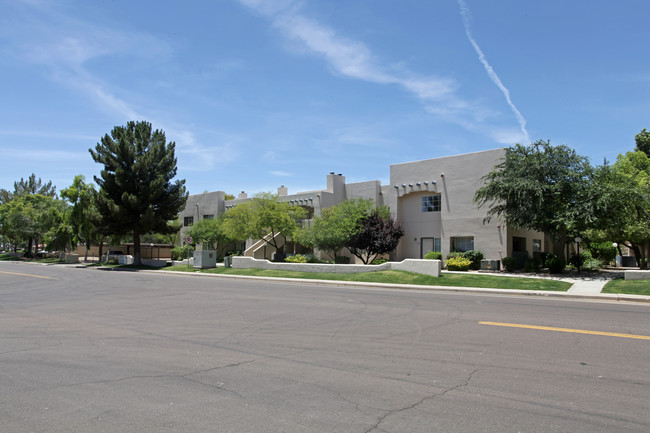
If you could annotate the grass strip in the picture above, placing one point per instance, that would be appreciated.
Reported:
(400, 277)
(628, 287)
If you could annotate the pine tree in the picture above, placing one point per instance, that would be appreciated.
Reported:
(136, 191)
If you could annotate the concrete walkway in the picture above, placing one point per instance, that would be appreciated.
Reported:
(587, 286)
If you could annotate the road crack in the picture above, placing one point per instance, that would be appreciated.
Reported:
(186, 376)
(421, 401)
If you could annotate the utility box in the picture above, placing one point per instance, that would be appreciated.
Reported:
(491, 265)
(205, 259)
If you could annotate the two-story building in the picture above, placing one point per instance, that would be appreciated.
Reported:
(432, 199)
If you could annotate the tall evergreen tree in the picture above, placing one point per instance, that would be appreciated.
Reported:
(643, 141)
(137, 193)
(33, 186)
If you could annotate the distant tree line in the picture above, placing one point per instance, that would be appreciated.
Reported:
(136, 198)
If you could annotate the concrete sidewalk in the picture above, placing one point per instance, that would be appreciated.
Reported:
(586, 286)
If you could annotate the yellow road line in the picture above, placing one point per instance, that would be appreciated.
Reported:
(27, 275)
(574, 331)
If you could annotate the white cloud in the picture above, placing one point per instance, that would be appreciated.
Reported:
(509, 137)
(352, 58)
(195, 156)
(65, 46)
(280, 173)
(47, 134)
(44, 155)
(464, 11)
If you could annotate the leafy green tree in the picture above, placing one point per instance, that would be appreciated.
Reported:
(5, 196)
(540, 187)
(643, 141)
(378, 234)
(84, 217)
(137, 193)
(26, 219)
(622, 197)
(331, 231)
(264, 217)
(56, 222)
(211, 232)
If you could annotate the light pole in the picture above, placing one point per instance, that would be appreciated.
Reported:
(615, 245)
(578, 239)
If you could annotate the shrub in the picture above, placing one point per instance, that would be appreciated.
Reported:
(181, 253)
(378, 261)
(298, 258)
(591, 265)
(543, 257)
(342, 260)
(508, 263)
(454, 254)
(586, 262)
(475, 257)
(532, 265)
(433, 255)
(555, 264)
(577, 260)
(312, 259)
(458, 264)
(604, 251)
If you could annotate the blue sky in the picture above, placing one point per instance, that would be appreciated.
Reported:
(258, 94)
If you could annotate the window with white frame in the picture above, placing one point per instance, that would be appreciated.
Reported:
(461, 244)
(431, 203)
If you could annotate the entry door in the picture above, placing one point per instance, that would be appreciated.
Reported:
(426, 245)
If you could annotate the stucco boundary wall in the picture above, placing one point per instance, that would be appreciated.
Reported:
(637, 275)
(420, 266)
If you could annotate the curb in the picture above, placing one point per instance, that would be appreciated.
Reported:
(413, 287)
(548, 294)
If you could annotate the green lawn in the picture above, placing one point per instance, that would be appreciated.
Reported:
(8, 257)
(628, 287)
(401, 277)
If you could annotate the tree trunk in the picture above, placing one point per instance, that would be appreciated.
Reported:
(86, 254)
(638, 256)
(101, 250)
(643, 256)
(137, 259)
(29, 247)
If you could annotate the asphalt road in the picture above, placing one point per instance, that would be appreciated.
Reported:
(86, 350)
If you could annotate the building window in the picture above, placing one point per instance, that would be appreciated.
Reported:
(518, 244)
(537, 245)
(208, 217)
(431, 203)
(462, 244)
(188, 221)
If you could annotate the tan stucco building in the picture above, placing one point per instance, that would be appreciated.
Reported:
(432, 199)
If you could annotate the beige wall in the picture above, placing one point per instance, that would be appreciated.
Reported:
(456, 180)
(199, 205)
(147, 251)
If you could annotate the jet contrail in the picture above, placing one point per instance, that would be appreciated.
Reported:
(464, 11)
